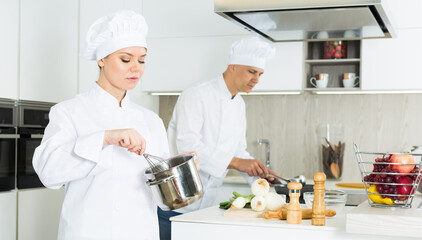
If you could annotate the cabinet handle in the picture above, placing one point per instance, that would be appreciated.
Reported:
(37, 135)
(10, 136)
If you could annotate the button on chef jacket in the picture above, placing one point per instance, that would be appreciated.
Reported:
(207, 120)
(106, 195)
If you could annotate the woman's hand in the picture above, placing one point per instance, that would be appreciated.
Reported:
(195, 158)
(127, 138)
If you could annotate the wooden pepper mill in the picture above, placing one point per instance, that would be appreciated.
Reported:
(318, 206)
(294, 211)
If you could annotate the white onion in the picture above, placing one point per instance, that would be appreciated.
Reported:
(274, 201)
(260, 187)
(258, 203)
(238, 203)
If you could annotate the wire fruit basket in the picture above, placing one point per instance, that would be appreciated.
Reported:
(390, 179)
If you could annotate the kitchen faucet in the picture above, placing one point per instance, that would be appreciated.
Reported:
(267, 151)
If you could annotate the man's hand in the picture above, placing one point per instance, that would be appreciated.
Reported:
(127, 138)
(270, 178)
(253, 167)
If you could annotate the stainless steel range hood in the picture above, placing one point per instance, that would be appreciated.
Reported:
(309, 20)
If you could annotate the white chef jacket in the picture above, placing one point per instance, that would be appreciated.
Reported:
(106, 195)
(207, 120)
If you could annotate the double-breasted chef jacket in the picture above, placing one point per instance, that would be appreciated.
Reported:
(106, 192)
(208, 120)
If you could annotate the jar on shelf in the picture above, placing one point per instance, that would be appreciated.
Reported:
(334, 49)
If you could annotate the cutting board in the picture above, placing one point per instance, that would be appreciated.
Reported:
(243, 213)
(351, 185)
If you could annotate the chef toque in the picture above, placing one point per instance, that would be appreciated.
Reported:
(251, 51)
(110, 33)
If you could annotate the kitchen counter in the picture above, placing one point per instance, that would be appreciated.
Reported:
(210, 224)
(397, 222)
(329, 184)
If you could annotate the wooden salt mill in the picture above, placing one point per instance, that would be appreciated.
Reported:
(318, 206)
(294, 211)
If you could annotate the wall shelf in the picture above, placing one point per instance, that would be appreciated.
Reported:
(331, 89)
(332, 61)
(315, 64)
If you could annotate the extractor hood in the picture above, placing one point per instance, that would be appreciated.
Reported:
(309, 20)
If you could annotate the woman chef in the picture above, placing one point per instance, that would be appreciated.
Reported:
(210, 118)
(93, 142)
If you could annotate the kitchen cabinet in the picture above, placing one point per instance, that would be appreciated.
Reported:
(186, 46)
(405, 13)
(39, 213)
(8, 215)
(9, 46)
(186, 18)
(316, 64)
(285, 71)
(393, 64)
(173, 64)
(48, 50)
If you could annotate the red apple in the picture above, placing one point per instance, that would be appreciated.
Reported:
(405, 189)
(399, 158)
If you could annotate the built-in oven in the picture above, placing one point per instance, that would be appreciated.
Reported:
(8, 141)
(33, 118)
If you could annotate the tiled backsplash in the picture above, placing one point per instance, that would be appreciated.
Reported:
(384, 122)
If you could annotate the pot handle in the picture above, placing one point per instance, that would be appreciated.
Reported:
(150, 183)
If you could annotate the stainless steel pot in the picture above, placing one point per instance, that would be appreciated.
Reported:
(178, 185)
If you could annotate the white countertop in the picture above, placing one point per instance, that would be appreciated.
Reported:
(210, 224)
(215, 215)
(399, 222)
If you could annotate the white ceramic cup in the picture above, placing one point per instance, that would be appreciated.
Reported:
(349, 75)
(320, 80)
(349, 80)
(322, 35)
(349, 34)
(350, 83)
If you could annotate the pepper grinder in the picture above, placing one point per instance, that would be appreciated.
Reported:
(318, 205)
(294, 211)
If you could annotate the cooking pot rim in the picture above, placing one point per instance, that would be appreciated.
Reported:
(189, 155)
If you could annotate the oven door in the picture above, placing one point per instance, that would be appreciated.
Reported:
(7, 161)
(27, 177)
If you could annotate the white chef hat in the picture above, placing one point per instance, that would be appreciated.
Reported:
(110, 33)
(251, 51)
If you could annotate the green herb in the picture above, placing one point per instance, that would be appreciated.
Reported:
(227, 204)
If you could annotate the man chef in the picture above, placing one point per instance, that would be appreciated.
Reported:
(210, 118)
